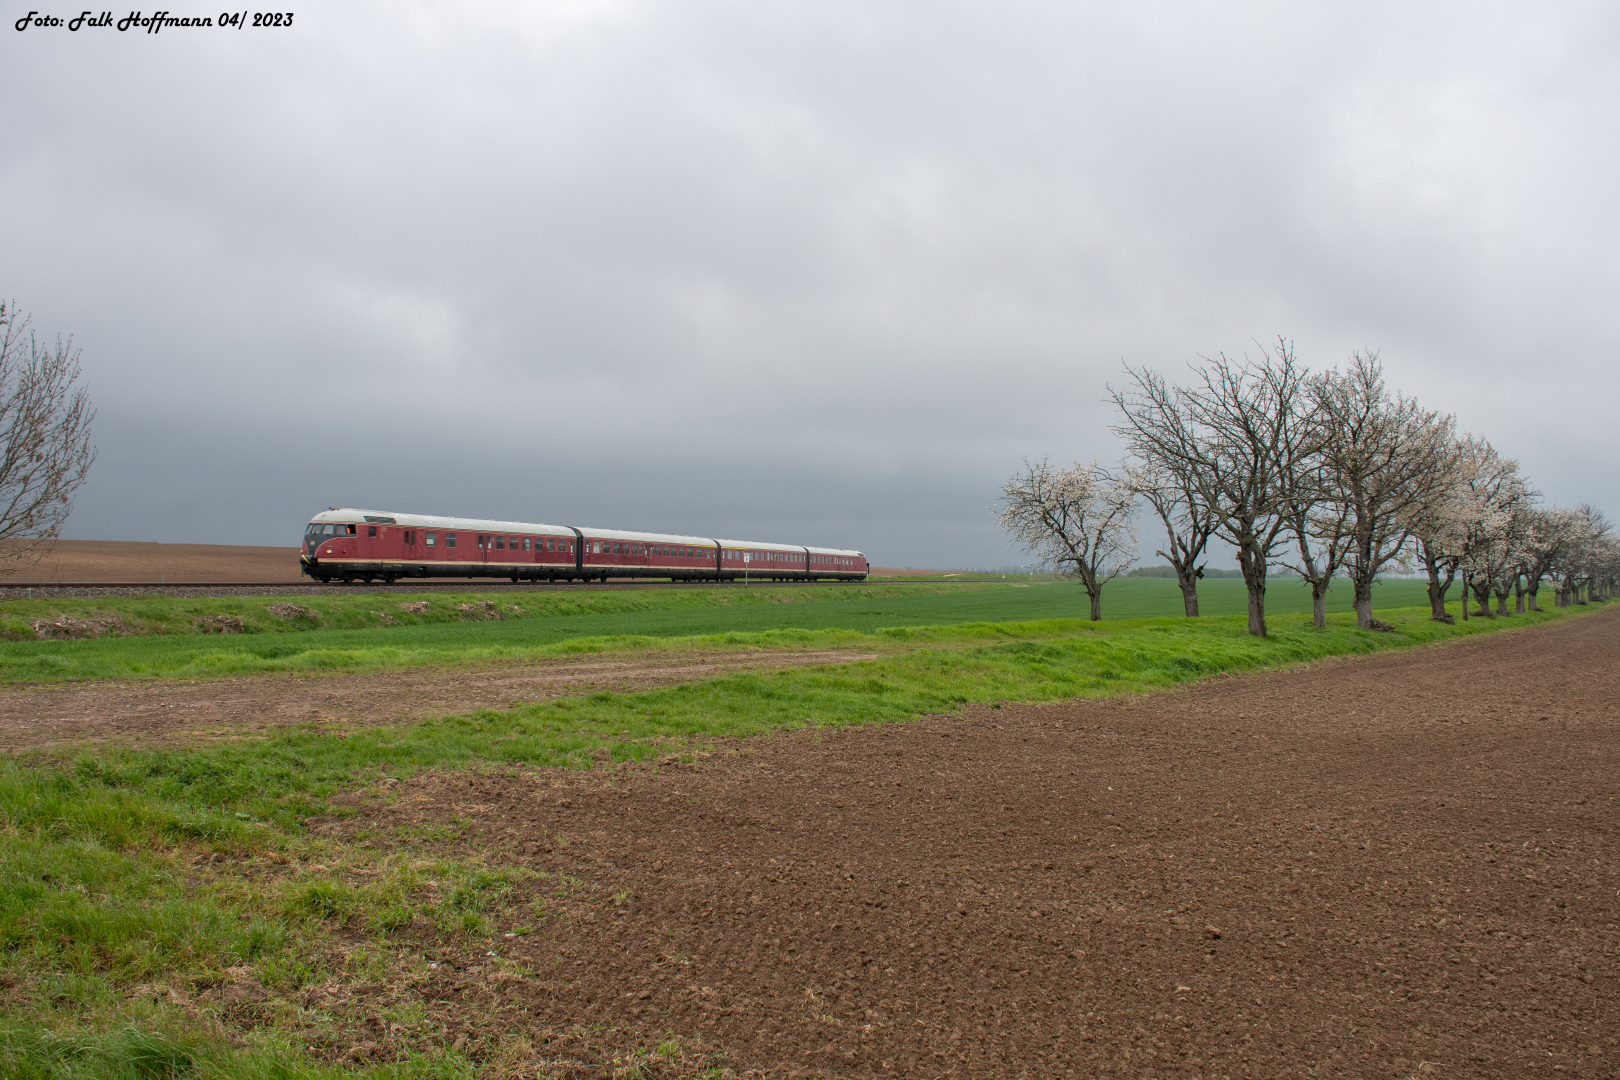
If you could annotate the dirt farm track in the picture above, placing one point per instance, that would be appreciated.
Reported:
(1384, 867)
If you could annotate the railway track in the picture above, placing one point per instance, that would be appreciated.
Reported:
(90, 589)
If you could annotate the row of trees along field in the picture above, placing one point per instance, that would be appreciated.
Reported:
(1326, 475)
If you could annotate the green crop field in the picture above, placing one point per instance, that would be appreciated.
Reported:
(165, 636)
(132, 881)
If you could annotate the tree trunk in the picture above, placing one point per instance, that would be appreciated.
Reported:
(1518, 596)
(1363, 602)
(1482, 596)
(1437, 590)
(1189, 595)
(1319, 606)
(1254, 578)
(1096, 606)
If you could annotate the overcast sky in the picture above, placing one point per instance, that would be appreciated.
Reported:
(817, 273)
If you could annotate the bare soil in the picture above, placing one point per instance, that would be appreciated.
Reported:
(1391, 866)
(121, 560)
(167, 712)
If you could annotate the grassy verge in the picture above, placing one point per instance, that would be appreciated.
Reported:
(167, 914)
(463, 630)
(73, 618)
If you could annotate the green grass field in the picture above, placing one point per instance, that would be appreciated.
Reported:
(114, 919)
(357, 632)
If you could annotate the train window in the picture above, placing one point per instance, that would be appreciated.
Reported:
(551, 543)
(372, 530)
(429, 539)
(449, 539)
(500, 542)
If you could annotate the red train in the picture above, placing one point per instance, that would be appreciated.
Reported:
(364, 545)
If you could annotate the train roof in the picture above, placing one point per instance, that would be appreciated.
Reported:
(755, 546)
(352, 515)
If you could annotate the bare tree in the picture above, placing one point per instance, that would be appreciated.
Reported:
(1381, 460)
(45, 449)
(1076, 519)
(1188, 523)
(1237, 438)
(1320, 525)
(1438, 541)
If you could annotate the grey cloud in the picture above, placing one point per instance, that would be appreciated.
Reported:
(787, 271)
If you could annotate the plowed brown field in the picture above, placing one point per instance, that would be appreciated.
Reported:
(119, 560)
(1384, 867)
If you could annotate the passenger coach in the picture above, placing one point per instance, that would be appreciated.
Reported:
(363, 545)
